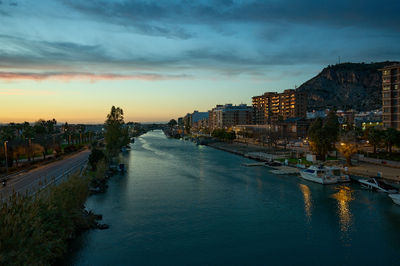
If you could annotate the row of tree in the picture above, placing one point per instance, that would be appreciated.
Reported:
(223, 134)
(378, 137)
(324, 134)
(25, 140)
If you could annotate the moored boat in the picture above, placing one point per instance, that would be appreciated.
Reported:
(395, 198)
(337, 172)
(377, 185)
(318, 175)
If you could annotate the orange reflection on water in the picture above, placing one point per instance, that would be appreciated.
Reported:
(307, 199)
(344, 197)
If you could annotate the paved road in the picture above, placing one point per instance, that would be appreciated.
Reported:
(31, 181)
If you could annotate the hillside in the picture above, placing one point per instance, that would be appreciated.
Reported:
(346, 86)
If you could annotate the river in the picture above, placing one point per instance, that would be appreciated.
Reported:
(182, 204)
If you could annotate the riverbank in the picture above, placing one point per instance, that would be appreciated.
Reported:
(264, 154)
(238, 148)
(36, 230)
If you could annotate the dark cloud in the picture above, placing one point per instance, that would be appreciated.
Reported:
(306, 32)
(360, 13)
(44, 52)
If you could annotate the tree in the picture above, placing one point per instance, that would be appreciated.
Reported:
(94, 157)
(223, 134)
(116, 136)
(390, 138)
(172, 123)
(323, 134)
(348, 149)
(348, 145)
(331, 127)
(375, 137)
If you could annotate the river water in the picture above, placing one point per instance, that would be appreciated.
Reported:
(182, 204)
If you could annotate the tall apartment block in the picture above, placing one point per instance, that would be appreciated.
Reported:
(272, 106)
(228, 115)
(390, 96)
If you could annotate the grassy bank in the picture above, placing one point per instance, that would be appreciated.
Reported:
(35, 231)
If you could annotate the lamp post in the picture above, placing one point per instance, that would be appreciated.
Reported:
(5, 151)
(29, 149)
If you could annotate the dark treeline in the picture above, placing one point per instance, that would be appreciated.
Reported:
(26, 141)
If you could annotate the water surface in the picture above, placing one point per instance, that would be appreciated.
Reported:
(182, 204)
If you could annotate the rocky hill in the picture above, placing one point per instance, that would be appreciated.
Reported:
(346, 86)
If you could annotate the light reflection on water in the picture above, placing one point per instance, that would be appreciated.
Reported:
(307, 200)
(344, 197)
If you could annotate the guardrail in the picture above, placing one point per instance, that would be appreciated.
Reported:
(57, 179)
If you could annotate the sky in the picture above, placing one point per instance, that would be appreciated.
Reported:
(72, 60)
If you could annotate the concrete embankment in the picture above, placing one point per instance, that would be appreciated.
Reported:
(250, 151)
(264, 154)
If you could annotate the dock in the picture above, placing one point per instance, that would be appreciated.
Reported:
(253, 164)
(284, 170)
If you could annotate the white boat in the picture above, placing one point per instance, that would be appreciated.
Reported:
(377, 185)
(318, 175)
(395, 198)
(337, 172)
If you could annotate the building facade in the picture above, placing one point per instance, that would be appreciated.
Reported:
(273, 107)
(228, 115)
(390, 96)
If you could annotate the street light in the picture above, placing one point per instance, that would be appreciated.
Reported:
(5, 151)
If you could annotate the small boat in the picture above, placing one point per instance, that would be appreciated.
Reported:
(395, 198)
(375, 184)
(318, 175)
(253, 164)
(337, 172)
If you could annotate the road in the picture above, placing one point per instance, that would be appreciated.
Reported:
(29, 182)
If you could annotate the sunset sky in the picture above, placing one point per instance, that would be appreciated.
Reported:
(74, 59)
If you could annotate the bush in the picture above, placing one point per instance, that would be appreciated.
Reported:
(34, 231)
(94, 157)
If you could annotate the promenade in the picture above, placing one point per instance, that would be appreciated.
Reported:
(369, 170)
(361, 169)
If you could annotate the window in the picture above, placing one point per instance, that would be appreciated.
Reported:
(385, 88)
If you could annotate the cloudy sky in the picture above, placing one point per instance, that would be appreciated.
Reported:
(73, 59)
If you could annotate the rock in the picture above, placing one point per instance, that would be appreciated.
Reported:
(103, 226)
(346, 86)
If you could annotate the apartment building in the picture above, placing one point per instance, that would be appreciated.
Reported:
(272, 106)
(390, 96)
(228, 115)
